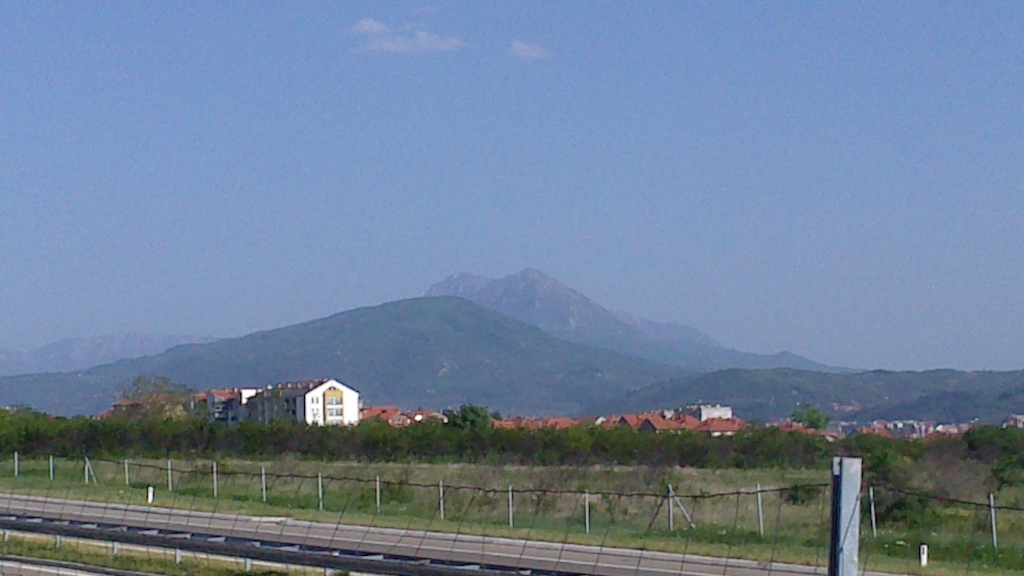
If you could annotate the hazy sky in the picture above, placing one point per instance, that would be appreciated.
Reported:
(841, 180)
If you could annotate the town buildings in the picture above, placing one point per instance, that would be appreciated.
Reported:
(325, 402)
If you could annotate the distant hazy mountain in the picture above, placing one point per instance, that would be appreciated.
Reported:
(79, 353)
(430, 352)
(538, 299)
(768, 395)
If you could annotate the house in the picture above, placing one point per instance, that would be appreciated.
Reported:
(656, 424)
(228, 404)
(1014, 421)
(704, 412)
(325, 402)
(390, 414)
(722, 426)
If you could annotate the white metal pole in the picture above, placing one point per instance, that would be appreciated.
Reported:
(126, 478)
(51, 467)
(440, 492)
(844, 545)
(86, 469)
(760, 513)
(874, 525)
(263, 480)
(511, 524)
(586, 510)
(378, 494)
(320, 490)
(15, 463)
(992, 511)
(170, 476)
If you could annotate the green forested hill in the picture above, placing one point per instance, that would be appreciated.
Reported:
(431, 352)
(938, 395)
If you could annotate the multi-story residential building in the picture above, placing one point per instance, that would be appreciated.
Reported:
(229, 404)
(315, 402)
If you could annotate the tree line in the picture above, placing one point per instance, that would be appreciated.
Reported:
(469, 438)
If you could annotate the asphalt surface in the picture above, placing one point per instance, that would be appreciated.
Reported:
(461, 549)
(20, 568)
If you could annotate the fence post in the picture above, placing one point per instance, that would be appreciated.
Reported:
(216, 488)
(760, 513)
(263, 482)
(85, 466)
(51, 467)
(170, 476)
(844, 545)
(511, 524)
(992, 513)
(671, 518)
(320, 490)
(126, 480)
(440, 492)
(874, 526)
(586, 510)
(378, 494)
(15, 463)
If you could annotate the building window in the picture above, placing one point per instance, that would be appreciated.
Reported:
(334, 400)
(334, 412)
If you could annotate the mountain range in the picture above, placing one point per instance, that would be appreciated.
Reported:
(78, 353)
(432, 352)
(542, 301)
(524, 344)
(770, 395)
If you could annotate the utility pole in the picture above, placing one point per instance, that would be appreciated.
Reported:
(844, 544)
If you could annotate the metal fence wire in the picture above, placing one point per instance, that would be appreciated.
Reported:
(588, 517)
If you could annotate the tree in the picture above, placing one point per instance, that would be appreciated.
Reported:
(469, 417)
(811, 417)
(156, 398)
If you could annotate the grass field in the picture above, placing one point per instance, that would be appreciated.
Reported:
(627, 506)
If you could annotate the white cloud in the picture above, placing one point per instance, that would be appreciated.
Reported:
(527, 50)
(369, 26)
(380, 38)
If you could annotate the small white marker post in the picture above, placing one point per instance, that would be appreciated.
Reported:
(440, 492)
(760, 513)
(874, 525)
(924, 555)
(511, 524)
(586, 510)
(127, 482)
(51, 467)
(263, 481)
(378, 494)
(992, 511)
(15, 463)
(149, 494)
(320, 490)
(215, 487)
(170, 476)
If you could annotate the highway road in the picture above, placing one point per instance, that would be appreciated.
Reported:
(410, 546)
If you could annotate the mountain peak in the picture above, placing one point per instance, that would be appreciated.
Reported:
(533, 297)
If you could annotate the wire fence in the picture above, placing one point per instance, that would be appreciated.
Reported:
(780, 520)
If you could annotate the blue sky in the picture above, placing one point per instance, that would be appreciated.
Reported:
(842, 180)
